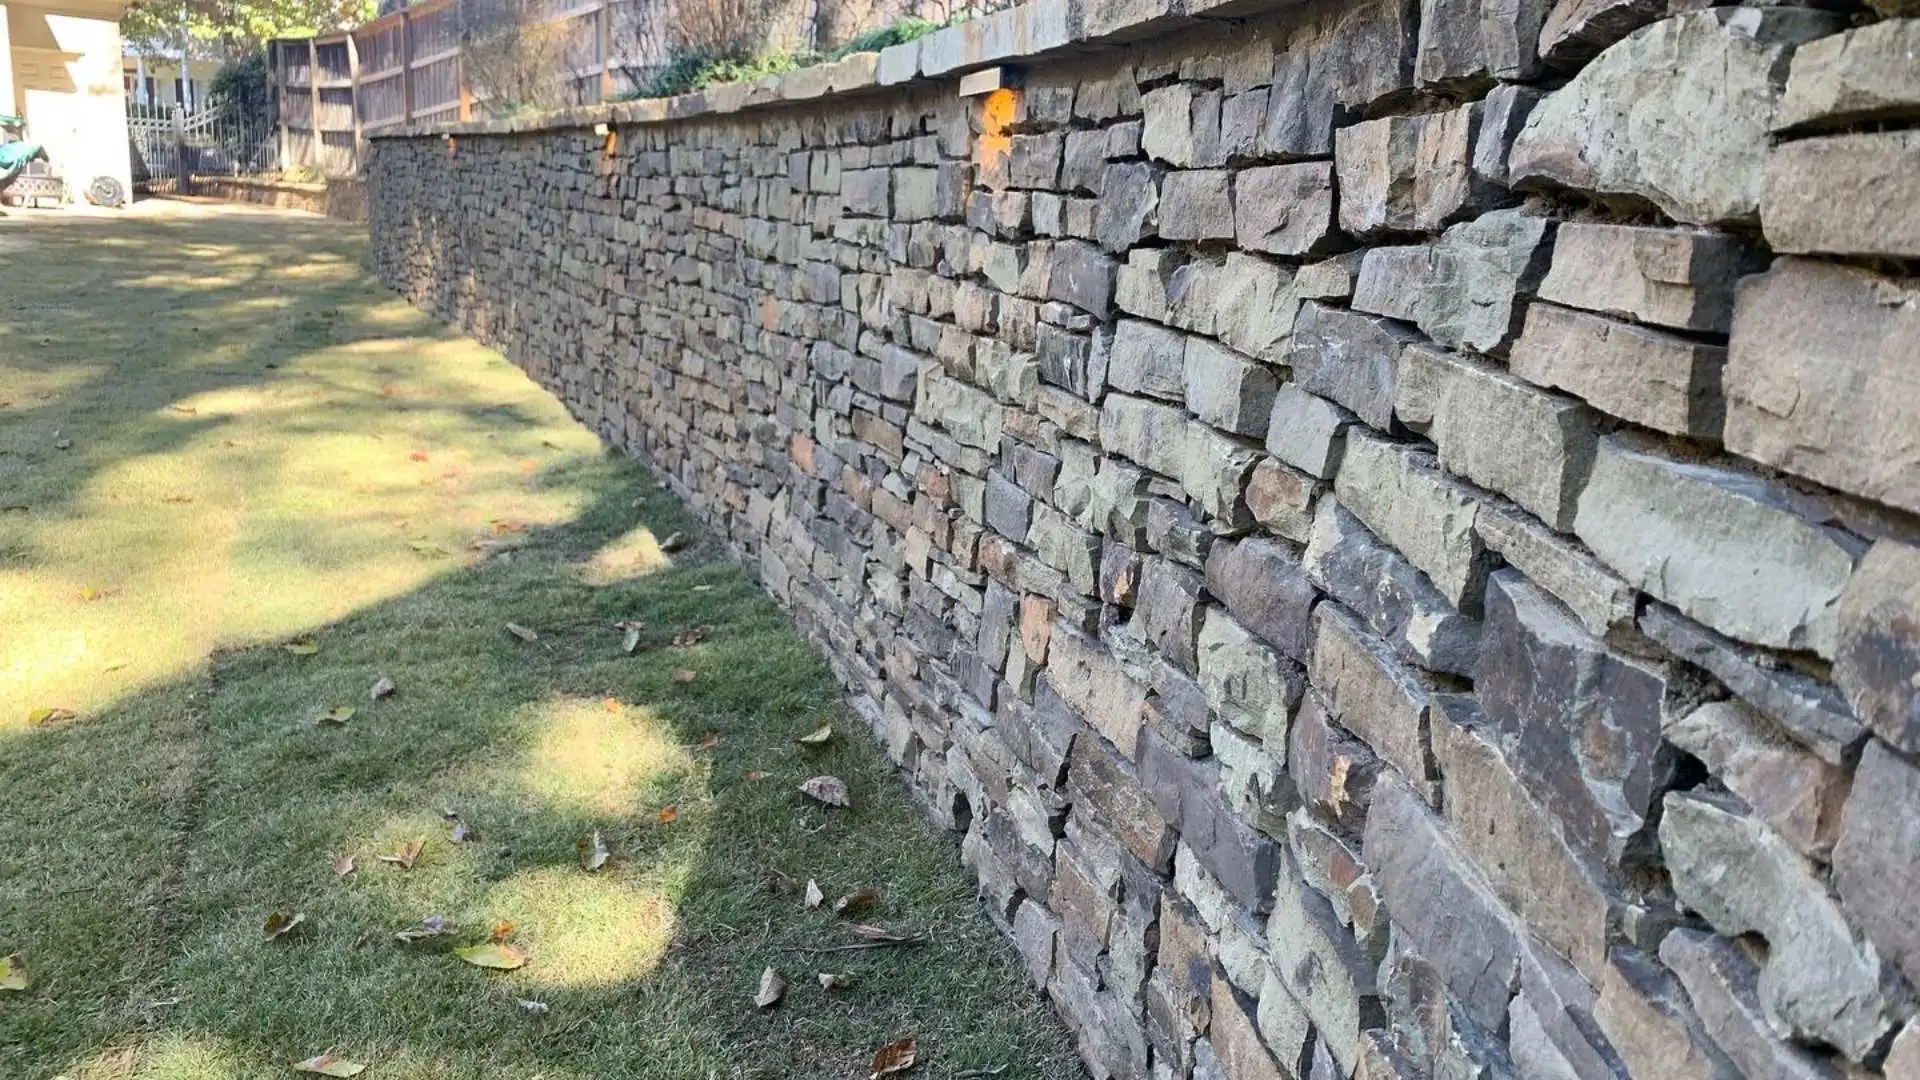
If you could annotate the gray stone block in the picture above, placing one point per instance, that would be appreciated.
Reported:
(1874, 870)
(1472, 42)
(1682, 278)
(1227, 390)
(1397, 491)
(1864, 74)
(1819, 380)
(1878, 663)
(1129, 209)
(1818, 982)
(1148, 358)
(1844, 195)
(1369, 692)
(1349, 358)
(1748, 558)
(1197, 204)
(1307, 432)
(1396, 601)
(1664, 381)
(1786, 786)
(1285, 209)
(1721, 982)
(1645, 1014)
(1409, 173)
(1249, 685)
(1264, 586)
(1714, 75)
(1167, 611)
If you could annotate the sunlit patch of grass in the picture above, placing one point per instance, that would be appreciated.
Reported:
(635, 554)
(601, 755)
(587, 930)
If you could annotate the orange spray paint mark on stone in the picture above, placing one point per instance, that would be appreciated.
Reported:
(995, 142)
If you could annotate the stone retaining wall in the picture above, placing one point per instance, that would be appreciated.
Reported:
(1389, 528)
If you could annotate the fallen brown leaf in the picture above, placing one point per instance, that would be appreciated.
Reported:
(685, 675)
(880, 933)
(335, 716)
(611, 704)
(380, 689)
(13, 973)
(39, 717)
(522, 632)
(895, 1057)
(756, 774)
(461, 833)
(668, 816)
(856, 901)
(773, 987)
(280, 924)
(593, 852)
(630, 640)
(417, 456)
(690, 636)
(406, 856)
(494, 955)
(301, 647)
(330, 1065)
(833, 980)
(533, 1008)
(819, 736)
(814, 896)
(830, 790)
(708, 742)
(781, 882)
(346, 864)
(501, 931)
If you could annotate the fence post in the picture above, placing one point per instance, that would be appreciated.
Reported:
(605, 21)
(353, 77)
(280, 99)
(183, 169)
(406, 67)
(317, 144)
(466, 92)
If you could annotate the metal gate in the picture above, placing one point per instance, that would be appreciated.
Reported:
(171, 145)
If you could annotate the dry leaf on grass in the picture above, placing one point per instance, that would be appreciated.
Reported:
(501, 931)
(54, 715)
(895, 1057)
(494, 956)
(756, 774)
(522, 632)
(406, 856)
(830, 980)
(668, 816)
(280, 924)
(708, 741)
(346, 864)
(533, 1008)
(674, 542)
(630, 638)
(689, 637)
(779, 881)
(461, 833)
(830, 790)
(301, 647)
(428, 547)
(330, 1065)
(383, 688)
(335, 716)
(819, 736)
(432, 926)
(685, 675)
(814, 896)
(856, 901)
(773, 987)
(13, 973)
(593, 852)
(417, 455)
(881, 933)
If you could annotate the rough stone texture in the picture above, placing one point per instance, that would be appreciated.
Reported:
(1820, 382)
(1786, 787)
(1878, 665)
(1676, 114)
(1742, 878)
(1165, 468)
(1721, 981)
(1874, 870)
(1863, 74)
(1743, 556)
(1682, 278)
(1844, 195)
(1667, 382)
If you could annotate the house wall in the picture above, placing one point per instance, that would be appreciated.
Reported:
(67, 83)
(1387, 530)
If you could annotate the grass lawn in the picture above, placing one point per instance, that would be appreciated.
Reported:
(217, 440)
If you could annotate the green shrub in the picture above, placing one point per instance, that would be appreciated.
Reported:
(692, 69)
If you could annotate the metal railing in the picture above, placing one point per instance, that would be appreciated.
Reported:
(170, 145)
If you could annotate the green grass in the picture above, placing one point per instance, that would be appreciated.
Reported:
(248, 418)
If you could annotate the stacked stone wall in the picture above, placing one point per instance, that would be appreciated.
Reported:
(1389, 529)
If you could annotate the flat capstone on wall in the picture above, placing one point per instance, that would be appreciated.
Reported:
(1391, 529)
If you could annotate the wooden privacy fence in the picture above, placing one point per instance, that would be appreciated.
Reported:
(406, 66)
